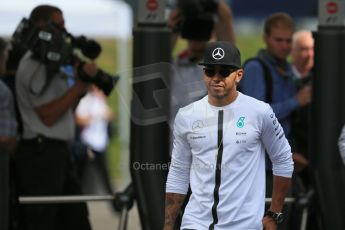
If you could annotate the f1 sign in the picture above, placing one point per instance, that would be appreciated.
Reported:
(151, 11)
(331, 13)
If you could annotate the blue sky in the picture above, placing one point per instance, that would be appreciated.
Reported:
(107, 18)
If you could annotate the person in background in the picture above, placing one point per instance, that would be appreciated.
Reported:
(284, 99)
(268, 77)
(93, 116)
(14, 56)
(8, 123)
(8, 139)
(43, 162)
(302, 61)
(219, 149)
(302, 53)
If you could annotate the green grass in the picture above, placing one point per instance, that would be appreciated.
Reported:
(108, 62)
(249, 46)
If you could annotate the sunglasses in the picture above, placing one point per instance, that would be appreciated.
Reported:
(224, 72)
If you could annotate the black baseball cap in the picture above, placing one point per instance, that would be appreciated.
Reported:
(222, 53)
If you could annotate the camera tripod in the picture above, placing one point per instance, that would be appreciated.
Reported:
(123, 202)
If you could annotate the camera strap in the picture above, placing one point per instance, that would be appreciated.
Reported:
(50, 72)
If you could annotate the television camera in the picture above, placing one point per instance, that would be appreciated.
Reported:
(197, 19)
(56, 47)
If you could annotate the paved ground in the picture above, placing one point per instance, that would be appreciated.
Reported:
(102, 217)
(101, 214)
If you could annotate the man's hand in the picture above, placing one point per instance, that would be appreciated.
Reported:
(86, 72)
(224, 11)
(224, 25)
(300, 162)
(173, 203)
(268, 223)
(90, 69)
(174, 18)
(304, 95)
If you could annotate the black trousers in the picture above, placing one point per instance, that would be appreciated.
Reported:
(4, 189)
(43, 167)
(101, 164)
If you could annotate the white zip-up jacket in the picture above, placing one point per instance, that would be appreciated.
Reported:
(220, 152)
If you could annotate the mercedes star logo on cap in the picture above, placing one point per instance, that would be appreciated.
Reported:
(218, 53)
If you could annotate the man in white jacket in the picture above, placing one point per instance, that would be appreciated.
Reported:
(219, 150)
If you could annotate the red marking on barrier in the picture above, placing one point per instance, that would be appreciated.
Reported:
(332, 7)
(152, 5)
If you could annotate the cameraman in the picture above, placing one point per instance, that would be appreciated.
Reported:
(197, 28)
(43, 161)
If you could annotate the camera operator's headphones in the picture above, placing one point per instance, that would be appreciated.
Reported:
(47, 44)
(53, 46)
